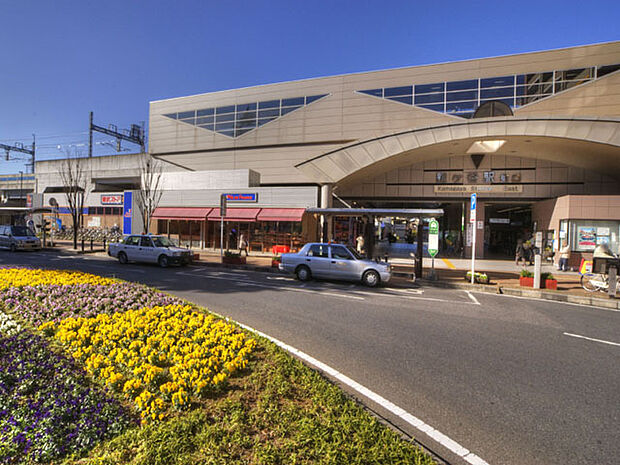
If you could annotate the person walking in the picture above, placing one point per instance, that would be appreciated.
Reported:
(360, 244)
(520, 252)
(243, 245)
(564, 256)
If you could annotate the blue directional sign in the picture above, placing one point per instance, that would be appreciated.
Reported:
(473, 201)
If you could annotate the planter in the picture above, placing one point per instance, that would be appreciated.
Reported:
(551, 284)
(233, 260)
(478, 278)
(526, 282)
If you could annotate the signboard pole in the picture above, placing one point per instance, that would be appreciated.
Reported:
(537, 259)
(472, 221)
(433, 243)
(222, 214)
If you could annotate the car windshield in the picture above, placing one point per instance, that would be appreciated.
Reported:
(163, 242)
(21, 231)
(354, 252)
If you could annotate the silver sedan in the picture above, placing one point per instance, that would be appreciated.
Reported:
(334, 261)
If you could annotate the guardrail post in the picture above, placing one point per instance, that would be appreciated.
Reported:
(612, 275)
(91, 245)
(82, 244)
(104, 243)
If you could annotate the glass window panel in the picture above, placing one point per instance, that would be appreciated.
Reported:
(395, 91)
(408, 99)
(265, 113)
(250, 114)
(461, 106)
(248, 123)
(463, 85)
(186, 114)
(374, 92)
(467, 95)
(497, 93)
(465, 115)
(205, 112)
(574, 74)
(428, 98)
(507, 101)
(171, 115)
(426, 88)
(269, 104)
(223, 110)
(539, 78)
(226, 117)
(604, 70)
(230, 133)
(286, 110)
(221, 126)
(433, 107)
(497, 81)
(264, 121)
(293, 102)
(314, 98)
(188, 120)
(521, 79)
(205, 120)
(240, 132)
(246, 107)
(210, 127)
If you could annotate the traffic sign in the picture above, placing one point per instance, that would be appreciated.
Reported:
(472, 209)
(433, 237)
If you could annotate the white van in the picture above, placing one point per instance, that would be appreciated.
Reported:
(18, 238)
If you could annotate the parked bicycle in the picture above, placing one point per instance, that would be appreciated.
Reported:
(593, 282)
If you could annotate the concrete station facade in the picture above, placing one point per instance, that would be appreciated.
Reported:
(536, 135)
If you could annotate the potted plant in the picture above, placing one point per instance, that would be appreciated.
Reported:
(480, 278)
(233, 258)
(275, 261)
(548, 281)
(526, 278)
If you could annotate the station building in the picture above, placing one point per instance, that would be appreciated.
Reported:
(535, 135)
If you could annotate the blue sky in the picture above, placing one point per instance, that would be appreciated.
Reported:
(63, 59)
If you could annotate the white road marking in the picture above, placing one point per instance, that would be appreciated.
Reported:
(602, 341)
(407, 291)
(280, 278)
(438, 436)
(471, 296)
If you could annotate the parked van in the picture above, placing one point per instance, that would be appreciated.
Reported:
(18, 238)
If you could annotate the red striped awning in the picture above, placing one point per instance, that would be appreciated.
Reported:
(281, 214)
(181, 213)
(235, 214)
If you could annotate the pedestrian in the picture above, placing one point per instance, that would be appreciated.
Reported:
(243, 245)
(520, 252)
(359, 243)
(564, 256)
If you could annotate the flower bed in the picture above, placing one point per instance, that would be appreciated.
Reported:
(47, 406)
(18, 277)
(157, 357)
(40, 304)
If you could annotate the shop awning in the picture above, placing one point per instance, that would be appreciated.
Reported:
(281, 214)
(235, 214)
(181, 213)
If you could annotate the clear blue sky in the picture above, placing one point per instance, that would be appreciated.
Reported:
(62, 59)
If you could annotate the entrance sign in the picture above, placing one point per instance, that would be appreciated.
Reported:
(433, 237)
(472, 221)
(480, 188)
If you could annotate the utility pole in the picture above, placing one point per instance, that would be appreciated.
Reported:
(19, 147)
(134, 135)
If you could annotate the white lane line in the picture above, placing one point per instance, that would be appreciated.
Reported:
(592, 339)
(279, 288)
(471, 296)
(407, 291)
(550, 301)
(280, 278)
(438, 436)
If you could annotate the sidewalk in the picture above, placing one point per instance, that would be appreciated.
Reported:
(503, 275)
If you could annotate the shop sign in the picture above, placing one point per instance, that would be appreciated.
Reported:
(112, 199)
(499, 220)
(478, 188)
(242, 197)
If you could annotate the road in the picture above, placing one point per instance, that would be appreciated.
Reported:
(512, 380)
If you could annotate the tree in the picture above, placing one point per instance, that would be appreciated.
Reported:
(73, 176)
(150, 192)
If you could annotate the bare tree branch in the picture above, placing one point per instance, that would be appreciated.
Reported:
(150, 188)
(74, 178)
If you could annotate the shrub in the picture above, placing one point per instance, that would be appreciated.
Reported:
(526, 273)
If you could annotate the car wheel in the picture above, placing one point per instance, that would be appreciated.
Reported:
(371, 278)
(122, 258)
(163, 261)
(303, 273)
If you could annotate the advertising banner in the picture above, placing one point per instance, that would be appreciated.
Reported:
(586, 237)
(127, 212)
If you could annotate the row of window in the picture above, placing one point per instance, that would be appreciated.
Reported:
(236, 120)
(461, 98)
(114, 211)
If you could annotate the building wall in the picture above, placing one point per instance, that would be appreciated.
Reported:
(346, 116)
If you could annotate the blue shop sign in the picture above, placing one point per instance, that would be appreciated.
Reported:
(251, 197)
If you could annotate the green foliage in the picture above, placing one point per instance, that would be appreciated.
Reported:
(526, 273)
(279, 411)
(228, 253)
(545, 276)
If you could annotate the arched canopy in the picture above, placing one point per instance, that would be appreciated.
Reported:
(589, 143)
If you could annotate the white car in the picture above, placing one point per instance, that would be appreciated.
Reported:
(149, 249)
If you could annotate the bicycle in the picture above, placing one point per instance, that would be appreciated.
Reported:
(593, 282)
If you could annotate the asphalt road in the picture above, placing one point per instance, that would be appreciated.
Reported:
(506, 378)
